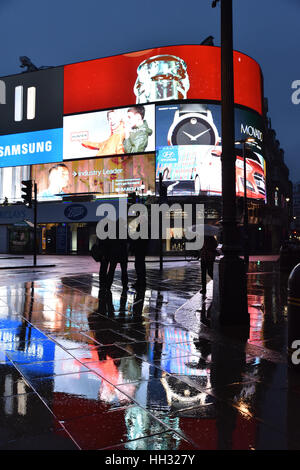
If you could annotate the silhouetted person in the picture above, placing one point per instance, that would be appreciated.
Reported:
(207, 257)
(139, 247)
(105, 255)
(118, 255)
(114, 251)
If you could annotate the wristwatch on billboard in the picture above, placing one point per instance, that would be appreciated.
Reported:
(193, 125)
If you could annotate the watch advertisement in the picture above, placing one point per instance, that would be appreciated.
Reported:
(110, 176)
(112, 132)
(158, 74)
(189, 149)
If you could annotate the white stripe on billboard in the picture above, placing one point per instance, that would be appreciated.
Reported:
(31, 99)
(19, 103)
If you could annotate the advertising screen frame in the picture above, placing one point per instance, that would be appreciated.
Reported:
(255, 163)
(144, 63)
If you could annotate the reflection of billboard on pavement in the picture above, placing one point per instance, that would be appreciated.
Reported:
(112, 132)
(115, 176)
(189, 150)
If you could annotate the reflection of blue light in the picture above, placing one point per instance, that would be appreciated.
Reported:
(36, 348)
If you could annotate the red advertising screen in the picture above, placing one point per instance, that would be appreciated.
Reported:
(175, 72)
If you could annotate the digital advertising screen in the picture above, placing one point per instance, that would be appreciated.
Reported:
(57, 113)
(31, 118)
(109, 176)
(159, 74)
(189, 148)
(112, 132)
(31, 147)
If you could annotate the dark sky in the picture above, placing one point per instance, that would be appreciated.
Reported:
(59, 32)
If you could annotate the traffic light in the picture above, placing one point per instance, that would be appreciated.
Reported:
(27, 190)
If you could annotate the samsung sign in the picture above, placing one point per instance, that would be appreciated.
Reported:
(31, 148)
(31, 118)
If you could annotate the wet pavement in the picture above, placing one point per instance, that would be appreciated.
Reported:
(142, 372)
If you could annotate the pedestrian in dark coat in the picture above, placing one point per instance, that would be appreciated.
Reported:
(207, 257)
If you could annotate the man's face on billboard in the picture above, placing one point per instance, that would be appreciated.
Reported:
(134, 119)
(114, 119)
(59, 177)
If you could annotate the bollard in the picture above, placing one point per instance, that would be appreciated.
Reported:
(294, 318)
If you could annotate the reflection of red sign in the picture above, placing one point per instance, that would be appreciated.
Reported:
(111, 81)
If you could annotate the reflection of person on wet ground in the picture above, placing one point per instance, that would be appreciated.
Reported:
(138, 303)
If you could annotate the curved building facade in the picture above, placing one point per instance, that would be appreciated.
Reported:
(101, 129)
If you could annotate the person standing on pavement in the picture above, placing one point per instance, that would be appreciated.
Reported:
(115, 251)
(139, 248)
(104, 247)
(118, 255)
(207, 257)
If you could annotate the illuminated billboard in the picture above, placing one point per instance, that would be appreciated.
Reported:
(189, 148)
(159, 74)
(112, 132)
(109, 176)
(65, 121)
(31, 118)
(58, 113)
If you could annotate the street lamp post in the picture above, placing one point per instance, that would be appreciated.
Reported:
(229, 308)
(246, 231)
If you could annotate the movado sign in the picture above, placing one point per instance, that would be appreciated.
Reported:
(251, 131)
(248, 125)
(31, 117)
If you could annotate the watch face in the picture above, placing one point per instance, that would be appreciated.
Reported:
(193, 130)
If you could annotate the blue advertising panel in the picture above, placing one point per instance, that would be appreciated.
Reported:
(29, 148)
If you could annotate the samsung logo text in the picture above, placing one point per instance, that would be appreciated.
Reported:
(24, 149)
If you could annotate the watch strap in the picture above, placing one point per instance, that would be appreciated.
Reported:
(192, 108)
